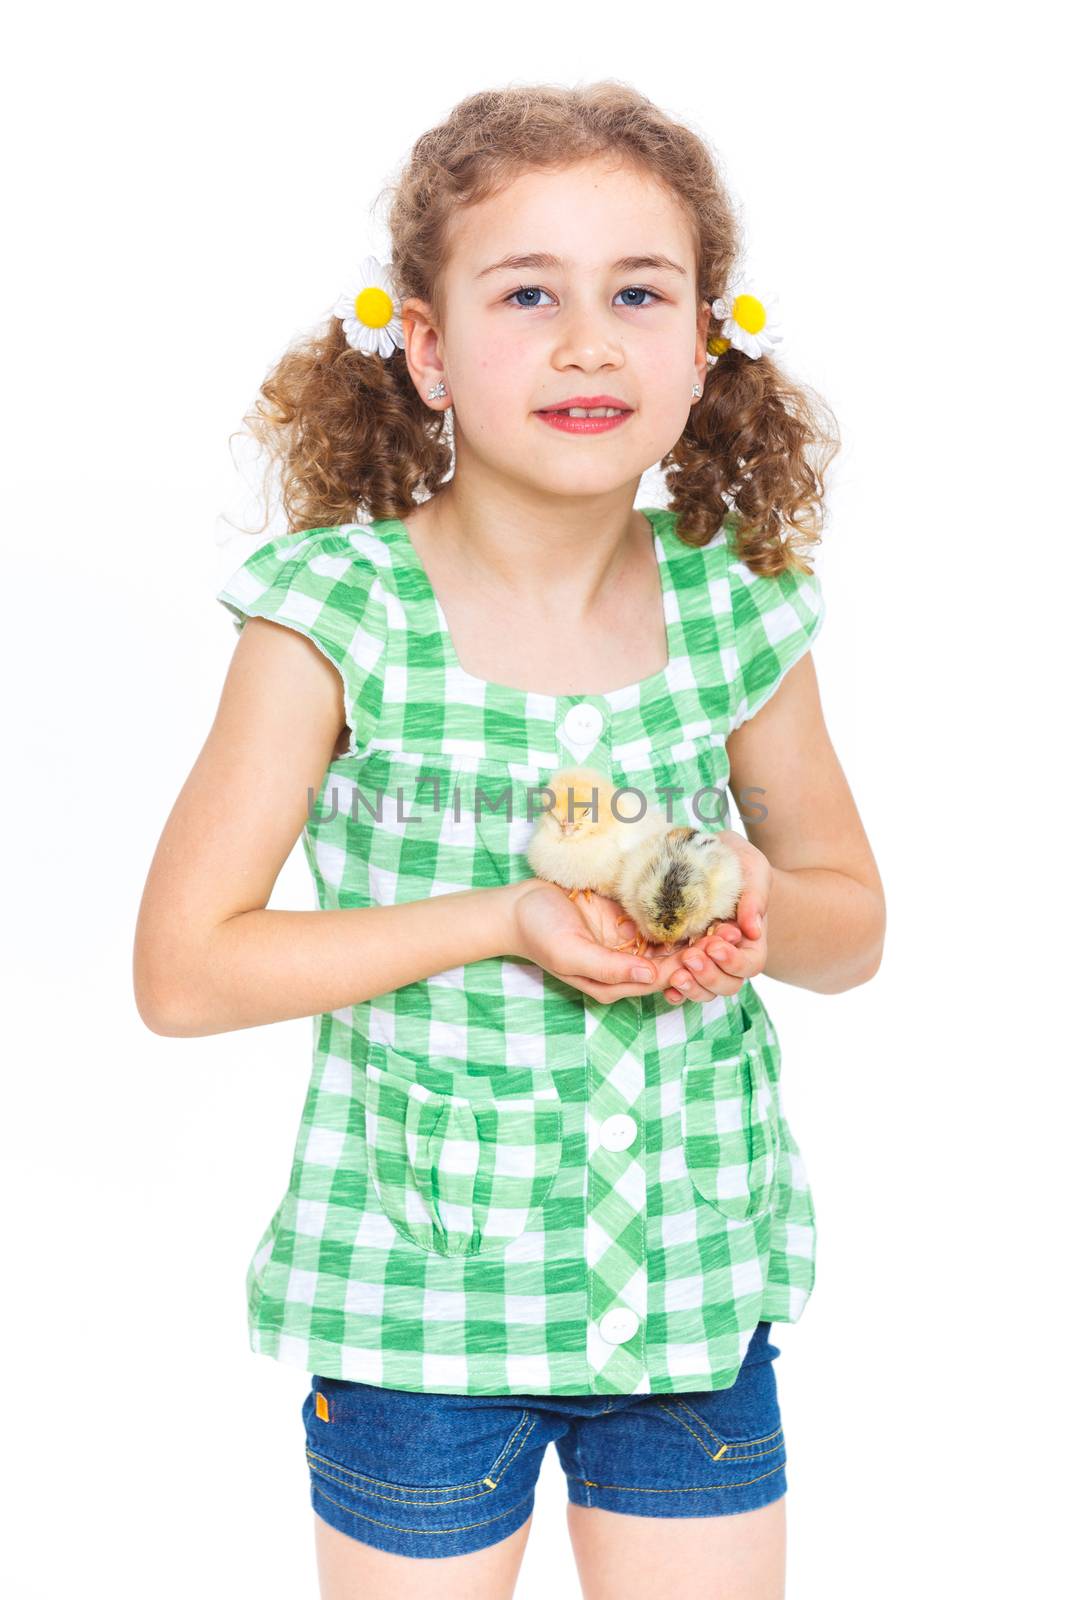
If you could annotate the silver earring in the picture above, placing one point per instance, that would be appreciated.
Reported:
(697, 390)
(437, 392)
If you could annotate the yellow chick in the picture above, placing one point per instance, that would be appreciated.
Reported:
(582, 852)
(675, 884)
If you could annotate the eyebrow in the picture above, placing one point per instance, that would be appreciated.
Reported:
(539, 260)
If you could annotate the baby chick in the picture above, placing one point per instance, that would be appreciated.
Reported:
(675, 884)
(582, 852)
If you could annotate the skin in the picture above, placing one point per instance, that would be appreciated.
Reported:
(538, 528)
(567, 504)
(534, 549)
(569, 509)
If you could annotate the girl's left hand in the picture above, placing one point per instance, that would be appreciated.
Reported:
(720, 962)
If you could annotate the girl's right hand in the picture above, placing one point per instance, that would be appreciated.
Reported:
(572, 940)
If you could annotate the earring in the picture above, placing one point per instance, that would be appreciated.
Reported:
(437, 392)
(697, 390)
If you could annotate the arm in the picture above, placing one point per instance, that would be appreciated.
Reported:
(209, 957)
(826, 912)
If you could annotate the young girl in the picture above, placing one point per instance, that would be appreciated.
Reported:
(543, 1189)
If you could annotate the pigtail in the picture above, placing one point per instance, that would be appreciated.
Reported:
(348, 435)
(352, 438)
(756, 449)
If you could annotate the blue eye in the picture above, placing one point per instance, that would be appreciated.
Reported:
(633, 289)
(534, 289)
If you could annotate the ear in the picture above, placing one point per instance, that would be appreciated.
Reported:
(422, 348)
(703, 326)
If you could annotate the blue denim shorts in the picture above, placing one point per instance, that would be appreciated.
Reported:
(443, 1474)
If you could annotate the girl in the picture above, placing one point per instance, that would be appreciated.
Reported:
(543, 1190)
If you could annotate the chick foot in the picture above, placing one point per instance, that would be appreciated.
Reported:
(638, 944)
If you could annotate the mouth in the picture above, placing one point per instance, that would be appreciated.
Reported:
(596, 416)
(586, 403)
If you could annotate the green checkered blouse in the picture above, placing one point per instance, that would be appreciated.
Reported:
(501, 1185)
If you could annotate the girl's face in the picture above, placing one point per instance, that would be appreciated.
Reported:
(604, 318)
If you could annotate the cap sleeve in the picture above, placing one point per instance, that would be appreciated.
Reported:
(317, 583)
(775, 620)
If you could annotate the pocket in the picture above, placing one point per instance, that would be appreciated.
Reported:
(461, 1161)
(409, 1447)
(730, 1123)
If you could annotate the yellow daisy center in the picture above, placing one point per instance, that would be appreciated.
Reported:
(373, 307)
(748, 313)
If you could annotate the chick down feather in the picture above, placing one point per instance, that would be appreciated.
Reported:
(582, 840)
(676, 883)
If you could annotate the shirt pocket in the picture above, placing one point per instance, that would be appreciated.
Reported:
(730, 1128)
(461, 1162)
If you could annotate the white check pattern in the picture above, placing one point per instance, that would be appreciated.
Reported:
(501, 1186)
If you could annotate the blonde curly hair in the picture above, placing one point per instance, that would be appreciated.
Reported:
(351, 439)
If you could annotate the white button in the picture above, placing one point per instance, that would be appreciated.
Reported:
(618, 1132)
(619, 1325)
(583, 723)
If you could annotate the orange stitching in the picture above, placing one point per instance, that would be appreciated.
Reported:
(666, 1407)
(697, 1488)
(729, 1444)
(742, 1443)
(501, 1464)
(442, 1498)
(738, 1453)
(445, 1496)
(456, 1527)
(418, 1488)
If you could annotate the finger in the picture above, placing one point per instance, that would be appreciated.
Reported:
(727, 958)
(708, 977)
(615, 968)
(729, 934)
(695, 985)
(704, 988)
(750, 914)
(712, 988)
(700, 961)
(608, 992)
(604, 992)
(697, 989)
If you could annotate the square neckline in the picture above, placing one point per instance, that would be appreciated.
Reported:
(611, 697)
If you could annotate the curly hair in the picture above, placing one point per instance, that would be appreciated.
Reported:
(351, 437)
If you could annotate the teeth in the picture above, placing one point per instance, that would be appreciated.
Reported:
(600, 411)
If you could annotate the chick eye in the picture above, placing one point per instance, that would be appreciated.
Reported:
(535, 289)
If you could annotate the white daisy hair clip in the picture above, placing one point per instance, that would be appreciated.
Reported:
(750, 322)
(367, 309)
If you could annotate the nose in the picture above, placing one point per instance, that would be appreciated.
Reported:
(587, 337)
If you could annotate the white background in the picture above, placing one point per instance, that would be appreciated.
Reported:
(187, 189)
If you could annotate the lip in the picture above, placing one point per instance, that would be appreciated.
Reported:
(565, 424)
(588, 402)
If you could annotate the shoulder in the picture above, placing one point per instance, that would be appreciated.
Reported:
(721, 558)
(350, 551)
(325, 583)
(755, 593)
(328, 579)
(764, 623)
